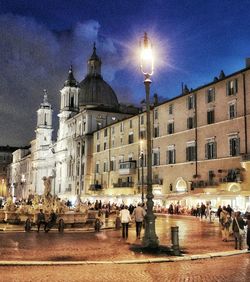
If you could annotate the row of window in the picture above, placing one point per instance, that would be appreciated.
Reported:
(210, 153)
(231, 89)
(191, 123)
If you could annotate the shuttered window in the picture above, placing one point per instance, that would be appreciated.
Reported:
(210, 116)
(211, 150)
(234, 146)
(232, 87)
(191, 153)
(171, 156)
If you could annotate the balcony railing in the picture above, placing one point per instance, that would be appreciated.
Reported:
(127, 167)
(123, 184)
(95, 187)
(245, 157)
(158, 181)
(202, 184)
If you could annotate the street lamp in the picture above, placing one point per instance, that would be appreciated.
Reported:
(150, 238)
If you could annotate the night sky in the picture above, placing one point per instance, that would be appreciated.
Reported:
(39, 40)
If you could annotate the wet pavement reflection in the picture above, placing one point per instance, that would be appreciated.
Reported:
(195, 236)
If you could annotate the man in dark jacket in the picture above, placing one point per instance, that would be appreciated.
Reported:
(238, 223)
(40, 220)
(51, 222)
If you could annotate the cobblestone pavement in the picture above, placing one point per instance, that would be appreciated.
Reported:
(196, 237)
(226, 269)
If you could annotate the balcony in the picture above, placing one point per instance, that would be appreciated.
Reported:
(95, 187)
(203, 184)
(123, 185)
(127, 167)
(245, 157)
(157, 181)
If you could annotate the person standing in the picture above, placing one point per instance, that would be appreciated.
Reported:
(238, 223)
(125, 219)
(203, 210)
(219, 211)
(225, 221)
(229, 210)
(138, 214)
(40, 220)
(248, 231)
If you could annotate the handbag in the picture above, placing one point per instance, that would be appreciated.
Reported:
(241, 231)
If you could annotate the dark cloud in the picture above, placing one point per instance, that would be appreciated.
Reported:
(34, 58)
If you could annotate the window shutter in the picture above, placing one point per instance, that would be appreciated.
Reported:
(187, 155)
(235, 86)
(167, 157)
(238, 146)
(228, 88)
(174, 156)
(230, 147)
(215, 150)
(206, 151)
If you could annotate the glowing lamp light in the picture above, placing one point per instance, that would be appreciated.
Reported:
(147, 58)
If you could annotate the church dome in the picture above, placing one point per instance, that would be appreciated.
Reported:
(94, 91)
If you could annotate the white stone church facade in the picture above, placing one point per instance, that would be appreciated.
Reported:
(84, 108)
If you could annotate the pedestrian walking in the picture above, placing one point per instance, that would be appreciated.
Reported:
(219, 210)
(229, 210)
(125, 219)
(117, 222)
(225, 221)
(40, 220)
(203, 210)
(138, 214)
(238, 225)
(98, 224)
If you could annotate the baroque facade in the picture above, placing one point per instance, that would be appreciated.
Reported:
(84, 107)
(200, 144)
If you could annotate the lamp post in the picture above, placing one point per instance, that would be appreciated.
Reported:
(142, 170)
(150, 239)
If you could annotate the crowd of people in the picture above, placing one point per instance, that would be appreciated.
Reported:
(233, 222)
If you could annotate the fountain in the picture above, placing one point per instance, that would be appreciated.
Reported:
(47, 202)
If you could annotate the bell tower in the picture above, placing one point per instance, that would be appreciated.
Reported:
(69, 94)
(69, 102)
(44, 122)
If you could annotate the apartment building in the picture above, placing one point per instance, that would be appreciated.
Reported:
(200, 147)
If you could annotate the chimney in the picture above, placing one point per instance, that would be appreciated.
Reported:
(156, 102)
(247, 62)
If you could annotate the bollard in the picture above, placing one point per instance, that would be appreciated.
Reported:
(175, 240)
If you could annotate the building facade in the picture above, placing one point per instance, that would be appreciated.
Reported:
(200, 148)
(200, 144)
(5, 161)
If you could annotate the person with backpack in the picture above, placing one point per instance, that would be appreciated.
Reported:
(225, 222)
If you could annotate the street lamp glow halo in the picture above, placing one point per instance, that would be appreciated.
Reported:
(146, 56)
